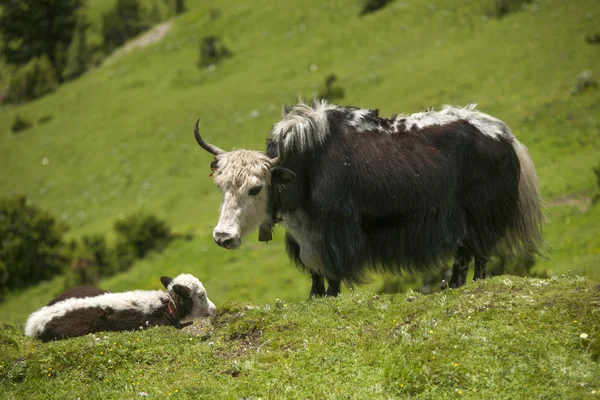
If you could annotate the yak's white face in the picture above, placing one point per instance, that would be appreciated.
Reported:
(244, 177)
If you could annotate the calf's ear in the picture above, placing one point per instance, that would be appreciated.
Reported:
(182, 291)
(280, 175)
(165, 281)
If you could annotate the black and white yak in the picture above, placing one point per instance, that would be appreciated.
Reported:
(84, 310)
(356, 192)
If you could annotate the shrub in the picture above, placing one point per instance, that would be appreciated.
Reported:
(179, 6)
(593, 38)
(585, 81)
(19, 124)
(331, 91)
(36, 79)
(45, 119)
(100, 255)
(121, 23)
(501, 8)
(77, 54)
(596, 197)
(34, 28)
(82, 271)
(370, 6)
(141, 234)
(212, 51)
(125, 256)
(32, 247)
(154, 15)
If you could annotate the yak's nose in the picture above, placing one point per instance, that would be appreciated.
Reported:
(226, 240)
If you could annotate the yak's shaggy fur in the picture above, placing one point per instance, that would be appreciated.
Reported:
(361, 192)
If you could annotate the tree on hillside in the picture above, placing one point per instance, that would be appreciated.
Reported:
(121, 23)
(179, 6)
(34, 28)
(77, 55)
(35, 79)
(32, 247)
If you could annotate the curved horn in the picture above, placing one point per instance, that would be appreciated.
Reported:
(275, 161)
(214, 150)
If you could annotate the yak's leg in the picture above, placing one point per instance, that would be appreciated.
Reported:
(460, 268)
(318, 286)
(480, 268)
(334, 287)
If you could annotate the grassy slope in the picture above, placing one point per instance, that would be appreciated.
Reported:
(504, 338)
(120, 138)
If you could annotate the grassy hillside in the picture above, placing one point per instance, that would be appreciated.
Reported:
(120, 138)
(504, 338)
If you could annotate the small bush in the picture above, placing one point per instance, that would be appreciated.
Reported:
(331, 91)
(214, 13)
(212, 51)
(32, 247)
(82, 271)
(123, 22)
(101, 256)
(141, 234)
(370, 6)
(154, 15)
(593, 38)
(585, 81)
(596, 197)
(60, 60)
(77, 54)
(125, 256)
(35, 79)
(180, 7)
(45, 119)
(501, 8)
(19, 124)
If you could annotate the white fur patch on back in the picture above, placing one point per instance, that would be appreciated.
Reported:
(145, 301)
(360, 123)
(487, 124)
(304, 127)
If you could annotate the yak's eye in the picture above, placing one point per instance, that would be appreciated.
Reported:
(255, 190)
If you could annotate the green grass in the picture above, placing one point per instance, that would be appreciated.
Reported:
(120, 140)
(503, 338)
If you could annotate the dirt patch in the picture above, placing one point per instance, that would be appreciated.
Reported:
(583, 204)
(147, 38)
(201, 328)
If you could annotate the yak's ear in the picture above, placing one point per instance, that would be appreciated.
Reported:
(281, 175)
(182, 291)
(285, 110)
(165, 281)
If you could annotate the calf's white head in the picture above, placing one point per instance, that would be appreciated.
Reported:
(190, 297)
(244, 178)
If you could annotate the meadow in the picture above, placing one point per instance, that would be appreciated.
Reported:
(119, 140)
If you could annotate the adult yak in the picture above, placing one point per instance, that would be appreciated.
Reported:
(356, 192)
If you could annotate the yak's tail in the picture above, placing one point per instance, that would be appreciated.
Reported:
(524, 235)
